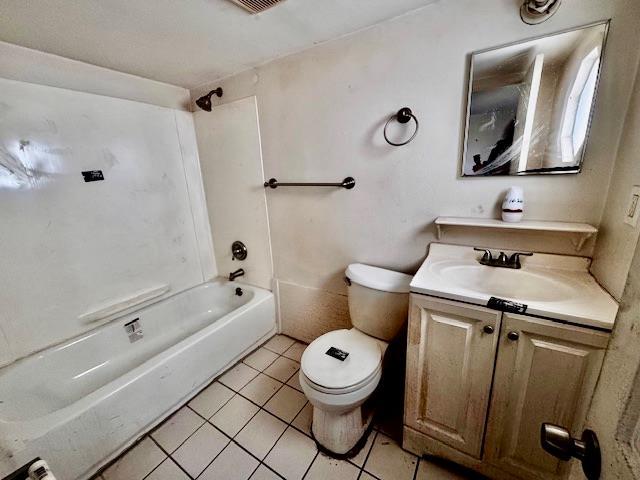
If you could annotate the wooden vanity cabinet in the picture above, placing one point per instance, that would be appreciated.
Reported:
(480, 383)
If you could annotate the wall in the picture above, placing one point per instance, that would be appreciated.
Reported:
(70, 247)
(617, 240)
(33, 66)
(616, 402)
(231, 158)
(321, 118)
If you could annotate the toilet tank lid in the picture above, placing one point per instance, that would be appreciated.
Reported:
(378, 278)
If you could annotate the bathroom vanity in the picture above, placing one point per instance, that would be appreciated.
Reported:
(484, 374)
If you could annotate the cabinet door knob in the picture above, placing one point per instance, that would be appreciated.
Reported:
(488, 329)
(513, 336)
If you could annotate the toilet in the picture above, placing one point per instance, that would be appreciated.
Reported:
(341, 369)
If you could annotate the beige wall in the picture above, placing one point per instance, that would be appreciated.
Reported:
(231, 160)
(618, 388)
(27, 65)
(617, 240)
(321, 117)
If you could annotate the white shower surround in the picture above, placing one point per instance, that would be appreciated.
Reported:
(80, 404)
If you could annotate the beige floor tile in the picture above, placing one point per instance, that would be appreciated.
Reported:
(260, 359)
(279, 344)
(168, 470)
(261, 389)
(238, 376)
(294, 352)
(263, 473)
(286, 404)
(362, 454)
(234, 415)
(440, 471)
(211, 399)
(294, 382)
(232, 464)
(282, 369)
(292, 455)
(177, 429)
(261, 433)
(137, 462)
(388, 461)
(366, 476)
(324, 467)
(304, 419)
(198, 451)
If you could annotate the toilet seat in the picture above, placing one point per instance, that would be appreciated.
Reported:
(339, 391)
(327, 374)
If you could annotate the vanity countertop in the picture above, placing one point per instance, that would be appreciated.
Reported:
(559, 287)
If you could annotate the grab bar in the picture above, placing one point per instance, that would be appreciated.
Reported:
(122, 305)
(347, 183)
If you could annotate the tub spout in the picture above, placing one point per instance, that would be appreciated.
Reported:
(236, 274)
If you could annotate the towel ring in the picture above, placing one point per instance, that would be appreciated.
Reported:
(403, 116)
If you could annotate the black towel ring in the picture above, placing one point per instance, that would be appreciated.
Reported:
(403, 116)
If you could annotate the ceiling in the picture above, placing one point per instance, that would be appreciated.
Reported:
(185, 42)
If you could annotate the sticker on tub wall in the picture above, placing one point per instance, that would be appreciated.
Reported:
(337, 353)
(93, 175)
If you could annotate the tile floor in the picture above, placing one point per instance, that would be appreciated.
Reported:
(253, 422)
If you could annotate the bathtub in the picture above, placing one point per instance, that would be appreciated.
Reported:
(79, 404)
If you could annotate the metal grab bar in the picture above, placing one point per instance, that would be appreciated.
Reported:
(347, 183)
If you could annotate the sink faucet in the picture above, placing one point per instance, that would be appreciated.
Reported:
(236, 274)
(502, 260)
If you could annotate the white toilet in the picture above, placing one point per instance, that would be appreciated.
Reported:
(341, 369)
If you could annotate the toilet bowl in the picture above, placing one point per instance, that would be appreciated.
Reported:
(340, 370)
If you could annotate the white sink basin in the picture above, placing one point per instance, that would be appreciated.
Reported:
(519, 285)
(553, 286)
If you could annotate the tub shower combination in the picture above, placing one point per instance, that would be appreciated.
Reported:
(93, 396)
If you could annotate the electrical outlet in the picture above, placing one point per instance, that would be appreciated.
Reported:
(633, 209)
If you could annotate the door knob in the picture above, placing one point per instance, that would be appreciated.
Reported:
(558, 442)
(488, 329)
(513, 336)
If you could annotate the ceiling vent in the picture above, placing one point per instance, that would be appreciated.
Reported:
(256, 6)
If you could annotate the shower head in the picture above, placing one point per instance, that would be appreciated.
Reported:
(204, 102)
(533, 12)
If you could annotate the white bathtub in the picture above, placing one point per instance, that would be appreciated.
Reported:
(79, 404)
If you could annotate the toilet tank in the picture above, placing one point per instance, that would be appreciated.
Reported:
(378, 300)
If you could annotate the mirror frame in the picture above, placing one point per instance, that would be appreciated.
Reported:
(467, 110)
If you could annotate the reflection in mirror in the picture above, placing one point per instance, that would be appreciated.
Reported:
(530, 104)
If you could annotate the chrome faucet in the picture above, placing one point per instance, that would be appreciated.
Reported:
(502, 260)
(236, 274)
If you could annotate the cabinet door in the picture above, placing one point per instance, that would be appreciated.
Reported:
(545, 372)
(450, 359)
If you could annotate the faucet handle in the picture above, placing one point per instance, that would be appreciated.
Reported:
(487, 253)
(514, 259)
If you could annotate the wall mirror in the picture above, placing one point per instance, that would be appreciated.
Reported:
(530, 104)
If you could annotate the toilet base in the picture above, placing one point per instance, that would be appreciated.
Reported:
(351, 453)
(341, 435)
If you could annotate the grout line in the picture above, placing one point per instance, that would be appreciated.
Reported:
(214, 458)
(311, 464)
(168, 457)
(366, 458)
(271, 363)
(415, 472)
(270, 469)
